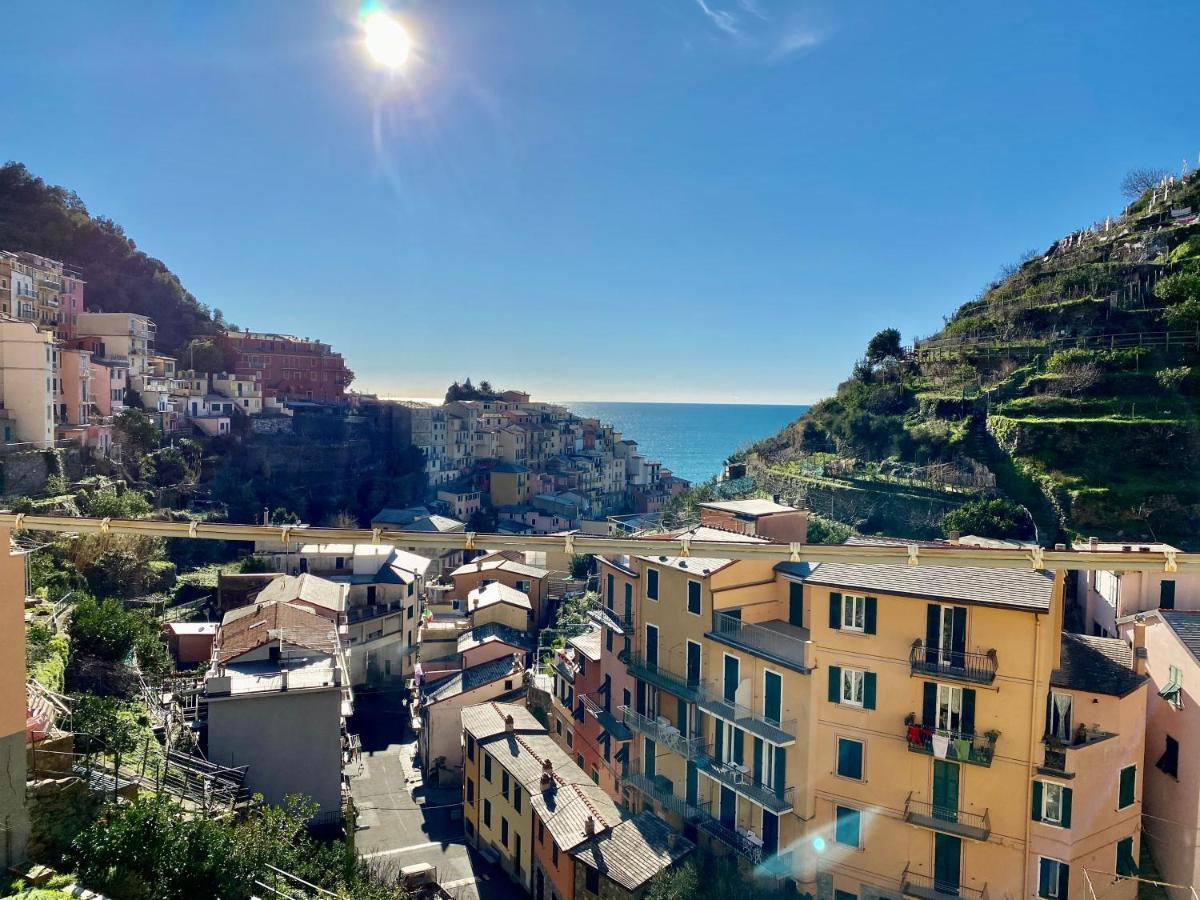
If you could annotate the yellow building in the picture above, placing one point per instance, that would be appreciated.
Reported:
(879, 731)
(510, 484)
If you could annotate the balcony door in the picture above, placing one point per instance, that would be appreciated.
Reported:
(728, 807)
(693, 663)
(947, 863)
(945, 790)
(770, 834)
(946, 636)
(652, 646)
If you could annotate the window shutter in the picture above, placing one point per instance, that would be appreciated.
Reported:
(869, 615)
(835, 684)
(1064, 879)
(780, 771)
(1066, 809)
(1128, 785)
(835, 610)
(933, 624)
(929, 705)
(719, 741)
(1037, 802)
(968, 711)
(758, 758)
(869, 690)
(1045, 867)
(739, 752)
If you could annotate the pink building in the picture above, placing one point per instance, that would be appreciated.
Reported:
(70, 301)
(108, 385)
(74, 405)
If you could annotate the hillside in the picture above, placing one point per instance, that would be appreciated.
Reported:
(1069, 387)
(53, 221)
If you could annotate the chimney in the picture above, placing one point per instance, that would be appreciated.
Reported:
(547, 775)
(1141, 656)
(508, 724)
(589, 827)
(1093, 543)
(954, 537)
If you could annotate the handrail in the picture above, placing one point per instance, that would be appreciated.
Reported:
(782, 646)
(688, 747)
(965, 665)
(731, 775)
(955, 816)
(867, 554)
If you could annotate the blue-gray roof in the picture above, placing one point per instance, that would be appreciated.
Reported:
(1186, 626)
(1097, 665)
(470, 679)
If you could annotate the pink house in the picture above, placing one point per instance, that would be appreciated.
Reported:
(75, 391)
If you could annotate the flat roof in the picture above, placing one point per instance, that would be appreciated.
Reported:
(749, 507)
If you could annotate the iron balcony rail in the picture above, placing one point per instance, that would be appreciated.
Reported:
(712, 700)
(913, 884)
(357, 614)
(613, 619)
(786, 649)
(961, 747)
(610, 723)
(656, 674)
(690, 748)
(977, 668)
(778, 800)
(659, 789)
(947, 819)
(732, 838)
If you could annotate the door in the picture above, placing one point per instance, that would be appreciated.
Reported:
(949, 708)
(953, 637)
(732, 673)
(628, 604)
(652, 646)
(772, 697)
(692, 784)
(796, 605)
(728, 807)
(693, 663)
(945, 790)
(947, 863)
(770, 834)
(1166, 594)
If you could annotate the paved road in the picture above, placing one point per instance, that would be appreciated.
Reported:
(400, 821)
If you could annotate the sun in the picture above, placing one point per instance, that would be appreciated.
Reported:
(387, 41)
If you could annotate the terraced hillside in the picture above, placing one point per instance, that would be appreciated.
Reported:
(1070, 387)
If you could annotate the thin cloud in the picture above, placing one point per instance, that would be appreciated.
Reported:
(794, 42)
(723, 19)
(752, 7)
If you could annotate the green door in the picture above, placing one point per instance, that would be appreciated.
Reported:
(772, 698)
(796, 605)
(945, 790)
(947, 862)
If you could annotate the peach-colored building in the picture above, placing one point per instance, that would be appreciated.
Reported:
(13, 814)
(765, 518)
(74, 386)
(529, 580)
(108, 382)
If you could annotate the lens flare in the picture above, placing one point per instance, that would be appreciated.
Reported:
(387, 41)
(819, 844)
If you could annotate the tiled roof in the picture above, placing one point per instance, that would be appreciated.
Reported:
(1096, 665)
(702, 565)
(1186, 626)
(268, 622)
(470, 679)
(441, 524)
(748, 507)
(506, 565)
(494, 631)
(490, 595)
(587, 643)
(511, 468)
(487, 720)
(635, 851)
(306, 589)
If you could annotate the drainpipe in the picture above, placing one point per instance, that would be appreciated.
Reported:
(1033, 742)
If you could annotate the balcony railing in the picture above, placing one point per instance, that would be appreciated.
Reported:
(789, 649)
(690, 748)
(664, 678)
(659, 789)
(742, 780)
(610, 723)
(610, 618)
(736, 840)
(712, 700)
(960, 747)
(977, 668)
(361, 613)
(924, 887)
(948, 820)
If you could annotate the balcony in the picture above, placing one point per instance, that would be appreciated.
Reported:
(975, 749)
(1061, 759)
(740, 842)
(975, 668)
(356, 614)
(775, 640)
(656, 674)
(949, 821)
(610, 618)
(926, 888)
(664, 734)
(742, 780)
(712, 701)
(607, 720)
(659, 789)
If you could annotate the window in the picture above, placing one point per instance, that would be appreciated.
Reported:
(579, 760)
(471, 748)
(1166, 594)
(554, 853)
(652, 584)
(487, 767)
(1126, 861)
(504, 831)
(504, 784)
(487, 813)
(852, 687)
(610, 590)
(541, 832)
(1127, 791)
(558, 726)
(592, 880)
(850, 758)
(1058, 716)
(1169, 761)
(570, 739)
(1053, 879)
(1052, 804)
(608, 640)
(853, 612)
(848, 826)
(693, 597)
(517, 797)
(470, 791)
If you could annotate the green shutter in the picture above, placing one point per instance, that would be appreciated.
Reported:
(868, 690)
(1045, 868)
(1066, 809)
(835, 684)
(758, 759)
(1126, 861)
(968, 711)
(1064, 880)
(1037, 801)
(739, 746)
(929, 705)
(835, 610)
(773, 697)
(1128, 792)
(869, 615)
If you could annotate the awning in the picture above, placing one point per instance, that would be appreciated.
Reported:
(1171, 690)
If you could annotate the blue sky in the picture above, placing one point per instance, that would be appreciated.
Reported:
(708, 200)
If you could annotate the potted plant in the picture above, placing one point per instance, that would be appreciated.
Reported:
(992, 735)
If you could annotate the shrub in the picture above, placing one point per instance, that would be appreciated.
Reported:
(1173, 379)
(994, 518)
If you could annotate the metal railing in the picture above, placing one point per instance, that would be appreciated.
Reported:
(690, 748)
(608, 721)
(913, 884)
(741, 779)
(948, 819)
(734, 839)
(961, 747)
(712, 700)
(612, 619)
(664, 678)
(766, 641)
(355, 614)
(659, 791)
(978, 668)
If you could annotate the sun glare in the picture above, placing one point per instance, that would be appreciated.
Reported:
(387, 41)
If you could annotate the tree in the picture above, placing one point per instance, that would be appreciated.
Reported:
(1137, 181)
(105, 724)
(137, 431)
(485, 387)
(204, 354)
(994, 518)
(884, 344)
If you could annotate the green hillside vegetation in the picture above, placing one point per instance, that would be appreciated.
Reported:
(1068, 391)
(53, 221)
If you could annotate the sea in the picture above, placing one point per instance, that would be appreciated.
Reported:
(691, 439)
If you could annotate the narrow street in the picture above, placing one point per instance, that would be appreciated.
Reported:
(400, 821)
